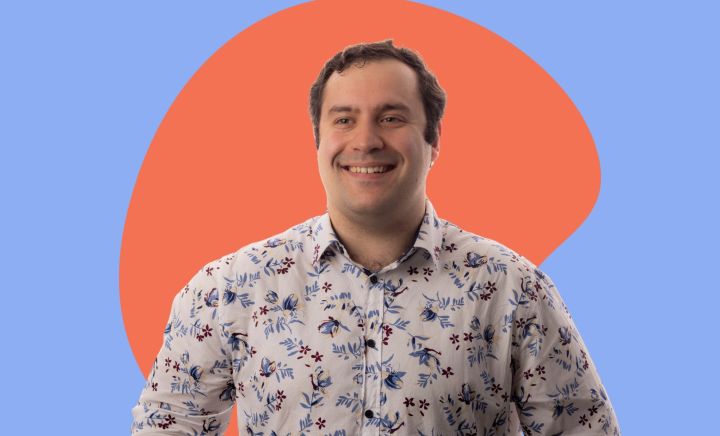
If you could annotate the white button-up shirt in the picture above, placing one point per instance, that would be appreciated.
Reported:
(459, 336)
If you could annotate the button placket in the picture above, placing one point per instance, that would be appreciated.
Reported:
(372, 384)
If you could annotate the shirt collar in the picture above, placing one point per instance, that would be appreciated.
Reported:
(431, 233)
(429, 237)
(324, 236)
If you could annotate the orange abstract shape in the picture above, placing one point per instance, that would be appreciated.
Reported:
(234, 159)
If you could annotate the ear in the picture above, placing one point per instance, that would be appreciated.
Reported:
(435, 151)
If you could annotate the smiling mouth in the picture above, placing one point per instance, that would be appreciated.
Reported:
(379, 169)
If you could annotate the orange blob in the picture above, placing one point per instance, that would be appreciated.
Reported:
(234, 159)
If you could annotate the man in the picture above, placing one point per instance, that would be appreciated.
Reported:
(377, 317)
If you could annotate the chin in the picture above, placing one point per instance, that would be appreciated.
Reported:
(371, 207)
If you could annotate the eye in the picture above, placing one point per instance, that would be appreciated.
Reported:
(342, 121)
(390, 119)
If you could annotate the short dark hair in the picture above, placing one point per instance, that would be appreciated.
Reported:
(432, 95)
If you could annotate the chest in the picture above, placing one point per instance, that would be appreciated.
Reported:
(343, 352)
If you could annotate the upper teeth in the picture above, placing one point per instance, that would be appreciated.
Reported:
(368, 170)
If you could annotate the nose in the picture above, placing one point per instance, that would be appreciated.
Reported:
(367, 137)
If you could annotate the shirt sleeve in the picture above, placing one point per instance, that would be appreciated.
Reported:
(556, 387)
(190, 389)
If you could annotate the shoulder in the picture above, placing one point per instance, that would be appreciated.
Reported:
(498, 267)
(475, 251)
(289, 245)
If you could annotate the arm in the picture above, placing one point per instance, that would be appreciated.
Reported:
(556, 387)
(190, 389)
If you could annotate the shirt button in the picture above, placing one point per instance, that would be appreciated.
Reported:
(369, 414)
(370, 343)
(373, 279)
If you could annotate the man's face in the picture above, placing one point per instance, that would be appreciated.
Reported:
(372, 155)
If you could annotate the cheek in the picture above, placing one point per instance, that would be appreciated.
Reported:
(332, 142)
(325, 163)
(329, 151)
(418, 154)
(325, 157)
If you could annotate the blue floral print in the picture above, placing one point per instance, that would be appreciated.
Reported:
(460, 336)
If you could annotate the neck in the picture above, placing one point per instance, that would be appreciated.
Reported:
(376, 241)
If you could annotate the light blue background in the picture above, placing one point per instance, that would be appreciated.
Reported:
(84, 85)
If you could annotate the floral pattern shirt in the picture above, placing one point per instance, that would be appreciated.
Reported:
(460, 336)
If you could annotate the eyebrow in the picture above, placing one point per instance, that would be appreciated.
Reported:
(386, 107)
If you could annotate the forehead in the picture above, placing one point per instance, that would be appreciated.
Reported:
(373, 84)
